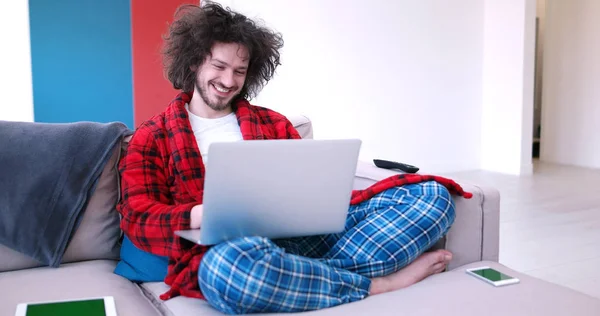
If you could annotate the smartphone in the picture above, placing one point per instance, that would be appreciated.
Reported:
(492, 276)
(100, 306)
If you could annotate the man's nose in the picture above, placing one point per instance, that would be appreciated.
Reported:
(227, 79)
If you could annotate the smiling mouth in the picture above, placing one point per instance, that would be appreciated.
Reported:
(221, 90)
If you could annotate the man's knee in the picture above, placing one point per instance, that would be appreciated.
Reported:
(227, 257)
(226, 263)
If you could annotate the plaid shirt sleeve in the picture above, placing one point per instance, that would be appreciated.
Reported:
(289, 131)
(149, 216)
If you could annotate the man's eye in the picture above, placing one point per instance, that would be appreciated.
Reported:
(241, 73)
(219, 67)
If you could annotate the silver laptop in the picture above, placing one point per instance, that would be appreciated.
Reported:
(276, 189)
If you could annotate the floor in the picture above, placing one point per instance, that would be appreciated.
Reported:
(549, 223)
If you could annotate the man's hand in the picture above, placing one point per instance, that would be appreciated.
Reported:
(196, 216)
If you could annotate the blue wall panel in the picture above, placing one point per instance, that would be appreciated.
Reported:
(81, 60)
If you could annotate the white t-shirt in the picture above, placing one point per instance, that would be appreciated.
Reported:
(206, 131)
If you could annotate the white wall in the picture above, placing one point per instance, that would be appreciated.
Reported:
(571, 98)
(407, 77)
(16, 94)
(508, 73)
(404, 76)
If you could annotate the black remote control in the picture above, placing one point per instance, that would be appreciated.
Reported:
(386, 164)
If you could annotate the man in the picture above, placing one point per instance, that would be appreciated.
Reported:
(220, 59)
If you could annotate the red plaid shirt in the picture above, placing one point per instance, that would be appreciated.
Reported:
(162, 179)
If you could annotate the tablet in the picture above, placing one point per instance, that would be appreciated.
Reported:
(492, 276)
(98, 306)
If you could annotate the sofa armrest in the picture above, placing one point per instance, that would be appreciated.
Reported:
(474, 236)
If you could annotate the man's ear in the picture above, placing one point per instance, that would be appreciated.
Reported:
(194, 68)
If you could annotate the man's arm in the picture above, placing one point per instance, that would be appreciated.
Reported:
(149, 218)
(288, 131)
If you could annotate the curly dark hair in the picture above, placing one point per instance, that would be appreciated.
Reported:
(197, 28)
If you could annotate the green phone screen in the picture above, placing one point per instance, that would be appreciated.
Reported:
(492, 275)
(93, 307)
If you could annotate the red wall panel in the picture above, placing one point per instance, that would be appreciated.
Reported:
(151, 90)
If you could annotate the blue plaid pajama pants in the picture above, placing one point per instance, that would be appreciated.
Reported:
(382, 235)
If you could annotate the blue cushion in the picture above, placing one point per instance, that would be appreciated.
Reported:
(140, 266)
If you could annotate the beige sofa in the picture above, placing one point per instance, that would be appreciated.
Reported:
(87, 269)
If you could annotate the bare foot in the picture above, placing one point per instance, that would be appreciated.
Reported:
(427, 264)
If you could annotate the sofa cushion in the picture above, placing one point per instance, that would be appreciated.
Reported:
(454, 293)
(303, 125)
(97, 236)
(179, 305)
(72, 281)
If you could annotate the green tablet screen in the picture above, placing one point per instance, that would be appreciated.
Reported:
(93, 307)
(492, 275)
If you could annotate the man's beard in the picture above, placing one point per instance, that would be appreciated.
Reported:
(218, 106)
